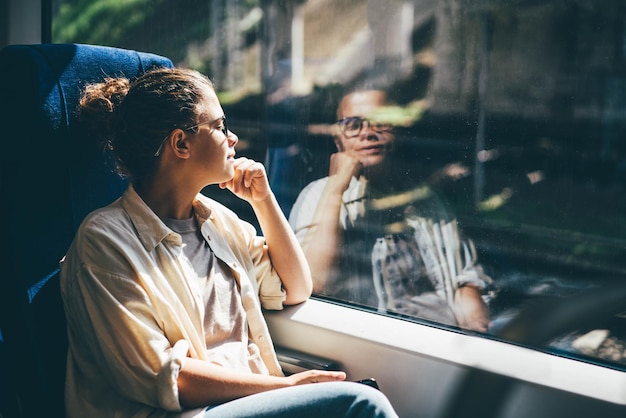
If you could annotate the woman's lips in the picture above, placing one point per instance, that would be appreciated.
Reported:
(377, 149)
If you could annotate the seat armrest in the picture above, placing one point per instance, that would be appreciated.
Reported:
(293, 361)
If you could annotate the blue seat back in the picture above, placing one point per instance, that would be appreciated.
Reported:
(51, 176)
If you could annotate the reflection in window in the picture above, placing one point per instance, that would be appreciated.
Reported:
(503, 116)
(396, 247)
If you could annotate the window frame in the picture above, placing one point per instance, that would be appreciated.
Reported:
(422, 354)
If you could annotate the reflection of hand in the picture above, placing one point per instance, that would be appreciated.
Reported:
(470, 309)
(249, 181)
(344, 166)
(316, 376)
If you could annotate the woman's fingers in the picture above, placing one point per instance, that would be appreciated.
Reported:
(249, 180)
(317, 376)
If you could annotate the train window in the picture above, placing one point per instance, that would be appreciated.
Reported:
(443, 162)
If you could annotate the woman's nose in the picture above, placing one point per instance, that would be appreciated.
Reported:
(232, 138)
(368, 132)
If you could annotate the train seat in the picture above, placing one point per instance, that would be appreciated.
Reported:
(40, 87)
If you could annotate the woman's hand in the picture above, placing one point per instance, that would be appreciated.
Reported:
(249, 181)
(202, 383)
(343, 167)
(315, 376)
(470, 309)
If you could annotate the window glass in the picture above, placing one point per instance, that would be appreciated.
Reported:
(443, 161)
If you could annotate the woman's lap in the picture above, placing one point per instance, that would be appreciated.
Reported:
(328, 400)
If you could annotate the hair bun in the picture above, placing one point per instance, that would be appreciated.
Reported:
(97, 107)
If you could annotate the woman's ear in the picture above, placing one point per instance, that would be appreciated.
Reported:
(338, 143)
(179, 143)
(337, 137)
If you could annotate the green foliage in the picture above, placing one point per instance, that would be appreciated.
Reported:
(96, 21)
(164, 27)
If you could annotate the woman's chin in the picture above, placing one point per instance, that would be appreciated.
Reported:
(372, 161)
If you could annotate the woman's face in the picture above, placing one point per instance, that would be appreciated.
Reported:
(213, 150)
(370, 146)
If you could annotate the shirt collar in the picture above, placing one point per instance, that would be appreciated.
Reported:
(150, 229)
(203, 213)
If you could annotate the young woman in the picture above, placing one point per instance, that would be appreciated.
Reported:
(163, 288)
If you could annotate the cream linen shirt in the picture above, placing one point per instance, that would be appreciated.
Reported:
(134, 311)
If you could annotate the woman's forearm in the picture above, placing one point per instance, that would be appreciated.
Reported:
(201, 383)
(285, 252)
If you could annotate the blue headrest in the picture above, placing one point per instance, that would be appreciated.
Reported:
(51, 176)
(57, 175)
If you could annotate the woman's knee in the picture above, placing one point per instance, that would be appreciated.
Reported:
(366, 401)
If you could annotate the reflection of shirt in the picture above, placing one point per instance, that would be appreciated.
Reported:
(304, 208)
(135, 306)
(382, 263)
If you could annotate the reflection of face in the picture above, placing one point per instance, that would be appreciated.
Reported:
(370, 147)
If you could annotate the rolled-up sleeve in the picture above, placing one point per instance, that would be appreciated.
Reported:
(472, 273)
(168, 376)
(121, 333)
(303, 210)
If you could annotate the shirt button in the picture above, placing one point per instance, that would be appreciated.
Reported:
(262, 339)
